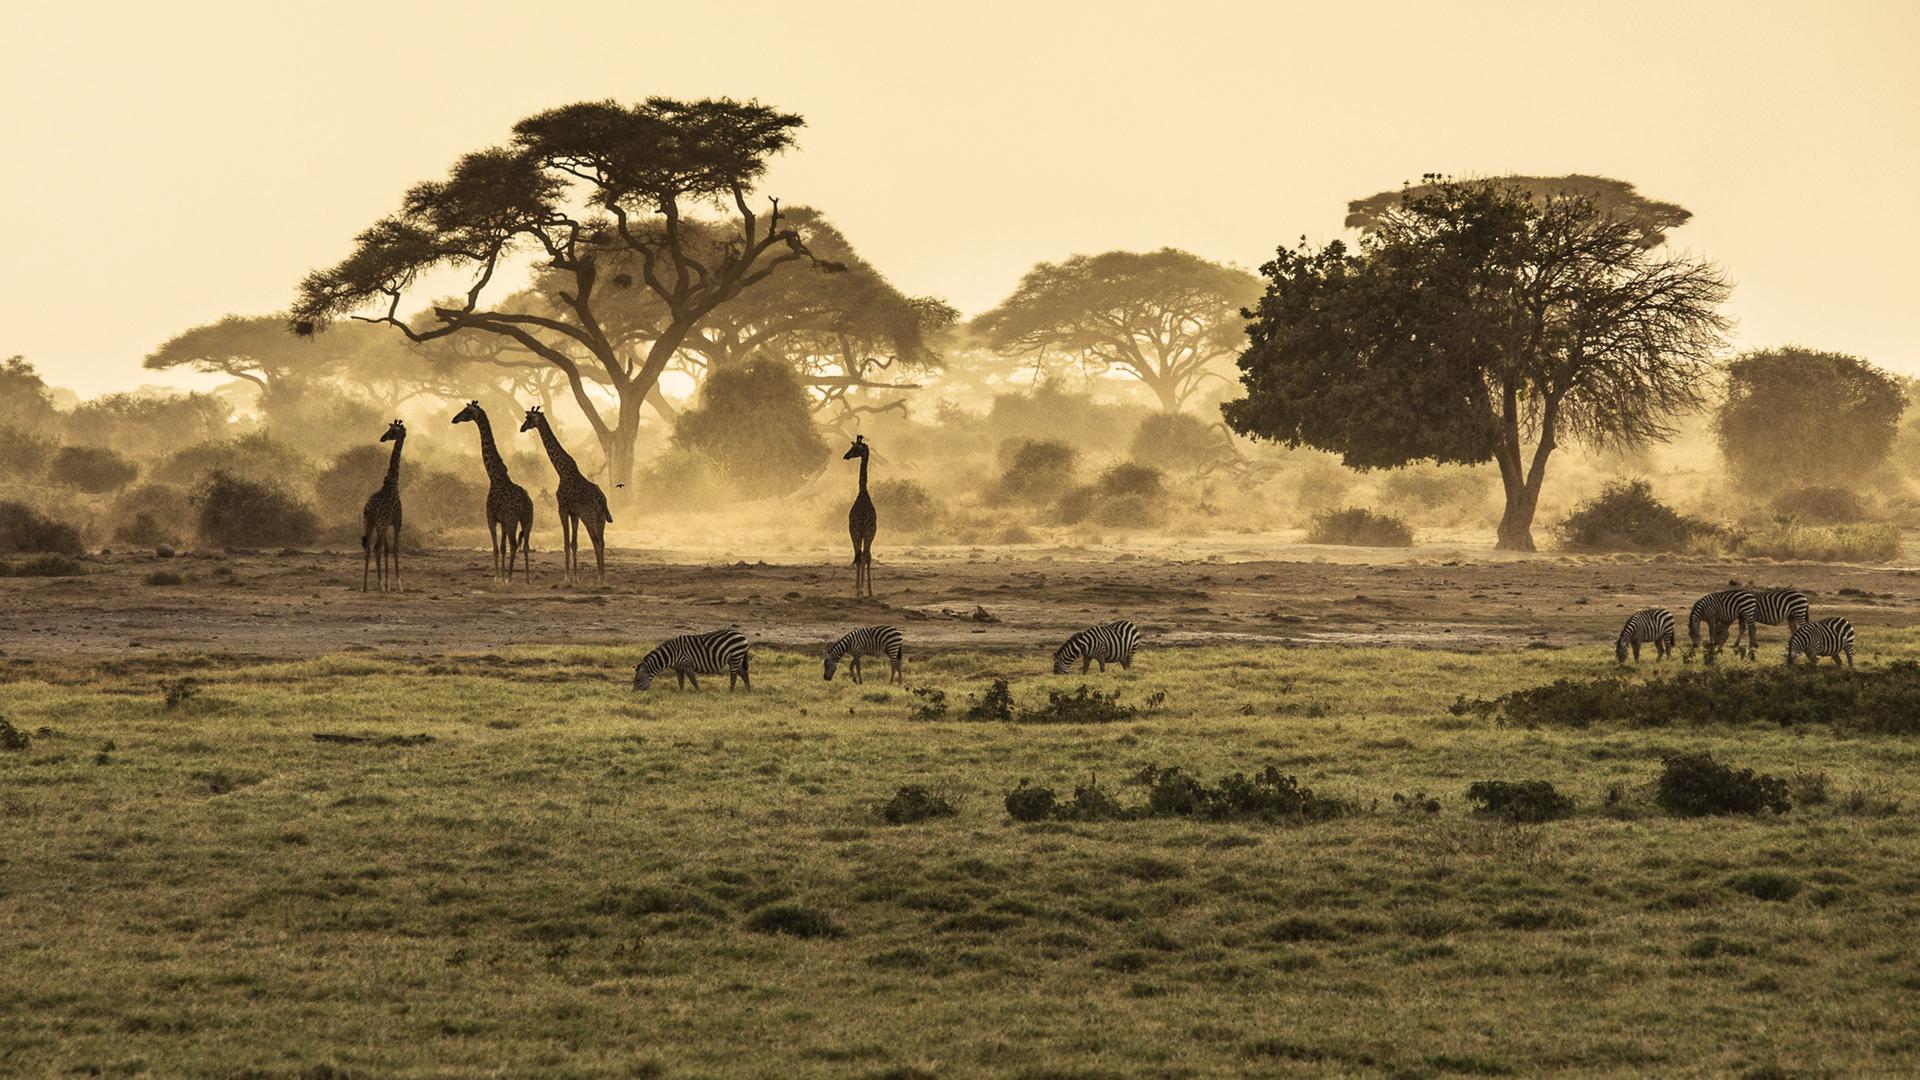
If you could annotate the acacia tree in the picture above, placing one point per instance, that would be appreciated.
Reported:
(576, 185)
(1476, 318)
(252, 348)
(1773, 394)
(1162, 317)
(1651, 218)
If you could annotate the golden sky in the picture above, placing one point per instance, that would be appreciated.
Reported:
(169, 163)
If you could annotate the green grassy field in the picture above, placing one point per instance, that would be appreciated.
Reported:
(573, 879)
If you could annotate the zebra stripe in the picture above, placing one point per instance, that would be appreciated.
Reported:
(1719, 610)
(884, 641)
(1650, 625)
(692, 655)
(1828, 637)
(1114, 641)
(1776, 606)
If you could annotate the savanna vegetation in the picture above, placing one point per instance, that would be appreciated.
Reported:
(511, 862)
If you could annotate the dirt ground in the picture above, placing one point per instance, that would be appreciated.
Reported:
(1458, 597)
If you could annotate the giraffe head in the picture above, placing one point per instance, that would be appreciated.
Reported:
(859, 449)
(533, 420)
(469, 414)
(396, 431)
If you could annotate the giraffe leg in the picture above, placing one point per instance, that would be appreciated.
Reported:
(526, 547)
(494, 538)
(396, 559)
(366, 557)
(597, 532)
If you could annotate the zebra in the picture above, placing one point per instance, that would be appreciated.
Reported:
(868, 641)
(1776, 606)
(1719, 610)
(1113, 641)
(1651, 625)
(691, 655)
(1828, 637)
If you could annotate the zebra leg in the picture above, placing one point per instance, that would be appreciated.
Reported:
(746, 675)
(1849, 658)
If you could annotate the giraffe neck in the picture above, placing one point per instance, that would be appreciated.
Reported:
(489, 453)
(863, 473)
(562, 461)
(393, 463)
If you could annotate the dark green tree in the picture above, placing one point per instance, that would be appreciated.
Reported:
(1650, 218)
(577, 185)
(1473, 321)
(1163, 317)
(1780, 399)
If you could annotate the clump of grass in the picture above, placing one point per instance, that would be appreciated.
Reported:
(164, 577)
(1766, 885)
(1881, 701)
(12, 738)
(44, 566)
(1821, 543)
(915, 803)
(1695, 785)
(1027, 803)
(794, 920)
(930, 704)
(177, 692)
(1822, 505)
(1520, 800)
(1356, 526)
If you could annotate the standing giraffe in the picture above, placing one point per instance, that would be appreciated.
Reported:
(380, 532)
(580, 500)
(509, 509)
(862, 522)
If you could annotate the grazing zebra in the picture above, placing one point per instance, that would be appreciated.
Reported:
(1776, 606)
(1719, 610)
(1828, 637)
(691, 655)
(1114, 641)
(1654, 625)
(868, 641)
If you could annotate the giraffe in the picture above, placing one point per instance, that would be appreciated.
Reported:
(509, 509)
(580, 500)
(380, 535)
(862, 522)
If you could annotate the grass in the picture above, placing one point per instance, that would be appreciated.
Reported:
(570, 879)
(1860, 543)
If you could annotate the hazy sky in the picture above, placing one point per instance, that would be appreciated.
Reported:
(169, 163)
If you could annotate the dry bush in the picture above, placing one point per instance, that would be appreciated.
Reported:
(905, 504)
(1036, 470)
(1441, 494)
(257, 458)
(92, 469)
(152, 514)
(1822, 505)
(341, 489)
(243, 513)
(22, 528)
(1626, 517)
(24, 453)
(1179, 442)
(1359, 527)
(1820, 543)
(682, 479)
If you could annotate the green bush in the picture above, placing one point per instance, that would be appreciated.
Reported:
(1521, 800)
(996, 705)
(92, 469)
(1822, 505)
(1359, 527)
(1181, 442)
(1083, 706)
(1626, 517)
(1695, 785)
(1881, 701)
(243, 513)
(22, 528)
(1267, 795)
(1025, 803)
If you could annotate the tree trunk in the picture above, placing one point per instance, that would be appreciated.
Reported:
(1516, 522)
(619, 442)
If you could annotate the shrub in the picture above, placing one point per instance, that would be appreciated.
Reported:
(257, 458)
(904, 504)
(1125, 496)
(244, 513)
(23, 529)
(1083, 706)
(994, 705)
(1821, 505)
(794, 920)
(1883, 700)
(1180, 441)
(1817, 543)
(1522, 800)
(23, 453)
(915, 803)
(1036, 470)
(147, 425)
(1359, 527)
(756, 422)
(1026, 803)
(1267, 795)
(932, 704)
(12, 738)
(436, 500)
(44, 566)
(1626, 517)
(684, 479)
(164, 578)
(93, 469)
(341, 489)
(152, 514)
(1695, 785)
